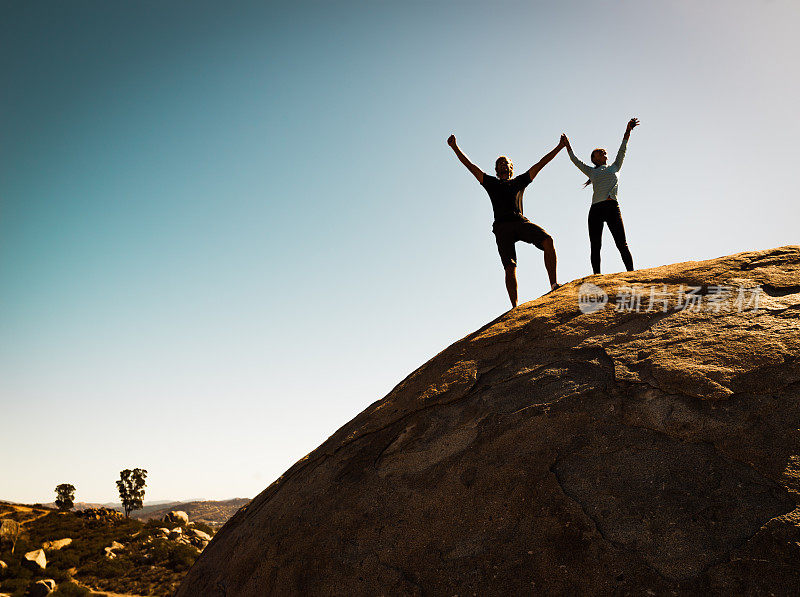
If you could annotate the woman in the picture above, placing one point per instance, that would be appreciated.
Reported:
(605, 209)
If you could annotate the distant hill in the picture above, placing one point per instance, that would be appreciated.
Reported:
(148, 506)
(85, 505)
(212, 513)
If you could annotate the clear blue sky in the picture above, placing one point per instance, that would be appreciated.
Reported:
(226, 228)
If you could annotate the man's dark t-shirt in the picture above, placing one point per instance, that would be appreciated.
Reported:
(506, 196)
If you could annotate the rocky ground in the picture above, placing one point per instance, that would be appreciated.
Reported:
(610, 445)
(96, 550)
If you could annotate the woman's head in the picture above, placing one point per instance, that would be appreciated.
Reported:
(599, 157)
(504, 168)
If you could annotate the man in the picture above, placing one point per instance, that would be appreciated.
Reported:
(510, 225)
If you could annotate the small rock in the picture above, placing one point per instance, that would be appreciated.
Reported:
(200, 534)
(110, 554)
(178, 516)
(3, 567)
(56, 545)
(176, 533)
(35, 559)
(117, 545)
(41, 588)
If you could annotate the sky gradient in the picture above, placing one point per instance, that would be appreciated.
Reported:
(227, 228)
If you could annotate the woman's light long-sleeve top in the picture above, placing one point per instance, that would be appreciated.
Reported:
(605, 179)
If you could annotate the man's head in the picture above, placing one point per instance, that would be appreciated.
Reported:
(504, 168)
(599, 157)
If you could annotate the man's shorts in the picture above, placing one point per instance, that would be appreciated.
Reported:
(508, 233)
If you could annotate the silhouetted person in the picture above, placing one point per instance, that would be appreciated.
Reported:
(510, 225)
(605, 208)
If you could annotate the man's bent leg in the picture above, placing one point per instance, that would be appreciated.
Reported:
(550, 260)
(511, 284)
(537, 236)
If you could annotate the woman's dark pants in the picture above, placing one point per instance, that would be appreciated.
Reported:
(607, 212)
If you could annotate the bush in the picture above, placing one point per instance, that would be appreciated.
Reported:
(56, 574)
(151, 525)
(105, 568)
(16, 586)
(70, 589)
(15, 567)
(201, 526)
(159, 551)
(63, 558)
(182, 557)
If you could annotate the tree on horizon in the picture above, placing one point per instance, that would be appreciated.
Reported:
(131, 486)
(65, 496)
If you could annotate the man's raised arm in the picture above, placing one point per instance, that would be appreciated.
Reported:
(476, 172)
(534, 170)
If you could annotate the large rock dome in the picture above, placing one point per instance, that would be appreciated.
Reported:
(605, 447)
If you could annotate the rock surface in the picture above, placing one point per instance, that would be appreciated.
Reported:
(177, 516)
(35, 559)
(42, 588)
(109, 551)
(57, 544)
(556, 451)
(200, 534)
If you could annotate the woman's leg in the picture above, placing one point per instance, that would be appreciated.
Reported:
(617, 229)
(595, 234)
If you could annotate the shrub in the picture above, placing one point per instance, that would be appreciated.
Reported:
(106, 568)
(182, 557)
(157, 524)
(64, 558)
(201, 526)
(15, 567)
(160, 550)
(70, 589)
(16, 586)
